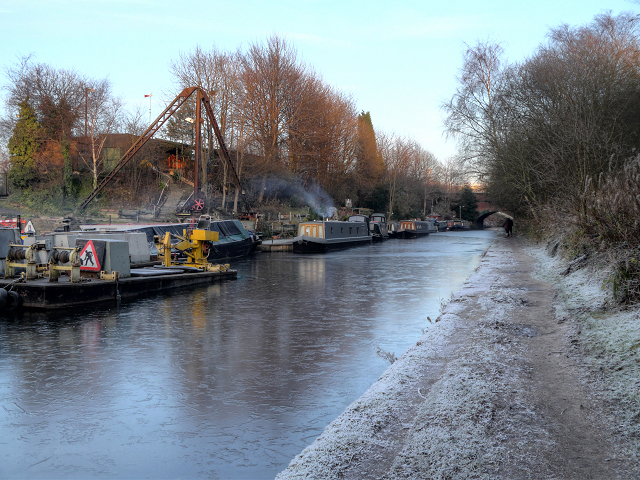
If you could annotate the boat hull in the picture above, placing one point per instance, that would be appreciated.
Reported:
(316, 245)
(44, 295)
(415, 229)
(411, 234)
(234, 241)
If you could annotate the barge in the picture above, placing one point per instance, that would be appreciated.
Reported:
(415, 229)
(378, 227)
(78, 269)
(40, 294)
(234, 241)
(393, 229)
(319, 237)
(458, 225)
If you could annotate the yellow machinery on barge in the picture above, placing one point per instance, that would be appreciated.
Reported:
(31, 283)
(195, 245)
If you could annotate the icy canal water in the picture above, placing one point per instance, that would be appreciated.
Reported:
(226, 381)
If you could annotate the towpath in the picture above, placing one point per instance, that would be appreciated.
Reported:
(495, 389)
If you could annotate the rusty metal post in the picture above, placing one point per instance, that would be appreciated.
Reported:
(197, 146)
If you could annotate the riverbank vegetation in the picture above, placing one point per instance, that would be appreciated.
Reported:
(295, 141)
(556, 138)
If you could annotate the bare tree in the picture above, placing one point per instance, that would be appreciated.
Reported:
(537, 131)
(396, 153)
(54, 94)
(472, 113)
(274, 83)
(218, 73)
(103, 114)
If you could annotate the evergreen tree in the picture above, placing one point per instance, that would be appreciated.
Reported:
(469, 204)
(23, 147)
(370, 165)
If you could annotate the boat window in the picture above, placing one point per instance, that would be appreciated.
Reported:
(341, 229)
(331, 229)
(307, 231)
(350, 230)
(320, 234)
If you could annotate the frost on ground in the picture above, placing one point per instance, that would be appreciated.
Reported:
(606, 339)
(499, 387)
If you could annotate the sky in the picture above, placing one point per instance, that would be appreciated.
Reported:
(398, 60)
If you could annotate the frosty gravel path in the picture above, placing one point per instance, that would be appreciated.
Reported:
(495, 389)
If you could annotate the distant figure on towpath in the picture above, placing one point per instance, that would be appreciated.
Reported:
(508, 226)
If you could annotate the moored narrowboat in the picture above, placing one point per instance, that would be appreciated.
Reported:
(378, 227)
(318, 237)
(415, 228)
(393, 228)
(458, 225)
(234, 241)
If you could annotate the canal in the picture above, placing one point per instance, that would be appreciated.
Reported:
(225, 381)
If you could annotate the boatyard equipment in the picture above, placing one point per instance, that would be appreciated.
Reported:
(19, 257)
(195, 245)
(61, 256)
(104, 276)
(15, 259)
(202, 101)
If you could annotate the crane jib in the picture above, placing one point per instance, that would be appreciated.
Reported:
(180, 99)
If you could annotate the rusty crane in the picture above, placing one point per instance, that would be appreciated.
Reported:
(201, 101)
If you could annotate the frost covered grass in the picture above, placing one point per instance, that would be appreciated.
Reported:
(606, 336)
(453, 440)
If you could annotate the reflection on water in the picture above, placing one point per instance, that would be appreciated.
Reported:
(226, 381)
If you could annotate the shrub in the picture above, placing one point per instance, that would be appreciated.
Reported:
(612, 205)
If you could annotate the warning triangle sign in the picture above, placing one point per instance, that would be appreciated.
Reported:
(88, 258)
(29, 228)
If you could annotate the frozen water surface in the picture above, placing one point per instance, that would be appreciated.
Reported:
(226, 381)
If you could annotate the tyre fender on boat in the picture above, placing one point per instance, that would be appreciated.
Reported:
(13, 301)
(3, 297)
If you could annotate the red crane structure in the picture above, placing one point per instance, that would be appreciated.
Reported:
(201, 101)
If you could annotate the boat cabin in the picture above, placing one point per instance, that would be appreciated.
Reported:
(415, 228)
(332, 229)
(321, 236)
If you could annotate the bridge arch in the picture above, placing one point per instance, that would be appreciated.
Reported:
(479, 221)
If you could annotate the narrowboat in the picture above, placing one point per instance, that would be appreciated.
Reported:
(458, 225)
(378, 227)
(318, 237)
(234, 241)
(415, 228)
(392, 229)
(432, 226)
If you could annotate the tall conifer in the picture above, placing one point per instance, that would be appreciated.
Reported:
(23, 147)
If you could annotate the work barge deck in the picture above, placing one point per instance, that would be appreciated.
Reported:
(79, 269)
(40, 294)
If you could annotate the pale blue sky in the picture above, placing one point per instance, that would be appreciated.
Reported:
(398, 59)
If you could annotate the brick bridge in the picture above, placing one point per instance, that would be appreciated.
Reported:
(486, 209)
